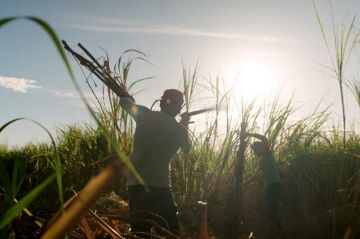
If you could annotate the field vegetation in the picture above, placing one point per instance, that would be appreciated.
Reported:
(319, 166)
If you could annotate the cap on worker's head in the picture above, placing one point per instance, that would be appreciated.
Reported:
(173, 97)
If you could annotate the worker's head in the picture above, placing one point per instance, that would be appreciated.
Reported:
(171, 102)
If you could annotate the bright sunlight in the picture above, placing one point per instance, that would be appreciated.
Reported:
(252, 79)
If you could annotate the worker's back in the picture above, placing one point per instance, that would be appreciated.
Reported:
(157, 138)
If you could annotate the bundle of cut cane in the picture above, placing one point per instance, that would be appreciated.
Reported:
(102, 72)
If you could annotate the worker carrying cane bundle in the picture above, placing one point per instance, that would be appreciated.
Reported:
(157, 138)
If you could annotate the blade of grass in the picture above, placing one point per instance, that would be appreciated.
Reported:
(17, 175)
(5, 181)
(58, 167)
(24, 202)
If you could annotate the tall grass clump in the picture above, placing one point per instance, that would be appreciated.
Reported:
(340, 48)
(12, 177)
(354, 85)
(319, 183)
(308, 158)
(13, 211)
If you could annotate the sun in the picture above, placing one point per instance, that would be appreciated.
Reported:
(251, 80)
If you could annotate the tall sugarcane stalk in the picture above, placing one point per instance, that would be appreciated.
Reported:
(239, 173)
(234, 223)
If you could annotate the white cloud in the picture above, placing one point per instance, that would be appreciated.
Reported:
(137, 27)
(178, 31)
(65, 94)
(18, 84)
(23, 85)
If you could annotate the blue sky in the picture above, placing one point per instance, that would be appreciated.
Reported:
(279, 40)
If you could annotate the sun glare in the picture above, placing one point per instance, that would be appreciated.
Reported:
(251, 80)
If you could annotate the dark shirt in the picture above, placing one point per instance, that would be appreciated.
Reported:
(270, 169)
(157, 138)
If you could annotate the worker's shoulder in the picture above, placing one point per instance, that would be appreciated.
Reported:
(158, 115)
(130, 105)
(143, 108)
(166, 120)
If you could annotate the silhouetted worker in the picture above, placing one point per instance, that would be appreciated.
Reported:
(271, 178)
(157, 138)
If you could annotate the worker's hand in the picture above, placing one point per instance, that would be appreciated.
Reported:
(185, 119)
(260, 148)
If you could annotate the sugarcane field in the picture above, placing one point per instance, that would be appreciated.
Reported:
(180, 119)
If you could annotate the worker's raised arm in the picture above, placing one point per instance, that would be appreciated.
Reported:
(260, 148)
(136, 111)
